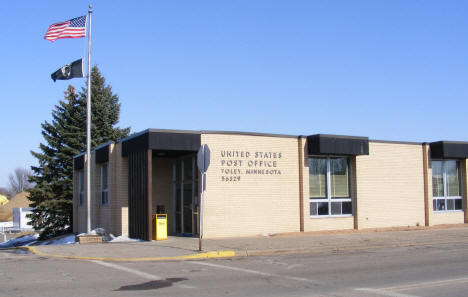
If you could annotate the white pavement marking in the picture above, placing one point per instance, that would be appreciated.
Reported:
(148, 276)
(389, 291)
(428, 284)
(293, 266)
(383, 292)
(256, 272)
(129, 270)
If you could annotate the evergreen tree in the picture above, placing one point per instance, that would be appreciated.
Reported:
(105, 111)
(65, 137)
(51, 197)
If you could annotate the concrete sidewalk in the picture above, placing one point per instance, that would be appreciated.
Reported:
(185, 248)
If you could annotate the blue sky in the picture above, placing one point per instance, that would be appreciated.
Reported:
(391, 70)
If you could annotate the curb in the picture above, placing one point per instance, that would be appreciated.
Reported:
(243, 253)
(206, 255)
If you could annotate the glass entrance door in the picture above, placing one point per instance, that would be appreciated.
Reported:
(185, 189)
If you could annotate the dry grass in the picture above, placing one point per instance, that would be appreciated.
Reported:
(25, 233)
(19, 200)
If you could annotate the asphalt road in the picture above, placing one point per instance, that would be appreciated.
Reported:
(438, 270)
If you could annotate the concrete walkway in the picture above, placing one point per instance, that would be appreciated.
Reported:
(185, 248)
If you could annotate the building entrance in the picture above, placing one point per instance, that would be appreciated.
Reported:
(185, 195)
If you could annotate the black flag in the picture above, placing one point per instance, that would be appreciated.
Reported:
(74, 69)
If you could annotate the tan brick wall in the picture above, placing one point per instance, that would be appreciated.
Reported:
(123, 193)
(114, 216)
(75, 200)
(124, 222)
(81, 210)
(388, 189)
(442, 218)
(257, 203)
(96, 193)
(427, 175)
(328, 223)
(465, 187)
(162, 188)
(117, 180)
(390, 186)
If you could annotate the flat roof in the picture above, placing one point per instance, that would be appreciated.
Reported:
(199, 132)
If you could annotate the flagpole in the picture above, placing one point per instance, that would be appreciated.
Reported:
(88, 128)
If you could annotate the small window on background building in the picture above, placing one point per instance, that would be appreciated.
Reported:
(446, 186)
(104, 184)
(329, 187)
(80, 187)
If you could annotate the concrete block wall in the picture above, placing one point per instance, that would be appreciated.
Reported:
(241, 204)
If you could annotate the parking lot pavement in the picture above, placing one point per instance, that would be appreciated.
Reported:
(439, 269)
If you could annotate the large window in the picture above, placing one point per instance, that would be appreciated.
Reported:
(446, 192)
(104, 184)
(329, 187)
(80, 188)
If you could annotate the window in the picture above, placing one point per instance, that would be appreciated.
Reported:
(446, 186)
(80, 187)
(104, 185)
(329, 187)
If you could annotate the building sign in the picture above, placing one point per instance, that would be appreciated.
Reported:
(237, 165)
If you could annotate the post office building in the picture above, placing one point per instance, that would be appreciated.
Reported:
(268, 183)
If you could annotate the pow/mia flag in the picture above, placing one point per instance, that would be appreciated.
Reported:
(74, 69)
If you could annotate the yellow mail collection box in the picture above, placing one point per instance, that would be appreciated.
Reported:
(160, 227)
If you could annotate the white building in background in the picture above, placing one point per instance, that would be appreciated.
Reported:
(20, 220)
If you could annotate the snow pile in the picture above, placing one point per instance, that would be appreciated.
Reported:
(28, 240)
(99, 231)
(6, 224)
(122, 238)
(108, 237)
(67, 239)
(20, 241)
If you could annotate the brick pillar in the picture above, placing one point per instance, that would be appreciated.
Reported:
(464, 185)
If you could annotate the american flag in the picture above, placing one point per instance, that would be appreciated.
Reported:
(74, 28)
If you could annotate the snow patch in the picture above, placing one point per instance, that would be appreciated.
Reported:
(20, 241)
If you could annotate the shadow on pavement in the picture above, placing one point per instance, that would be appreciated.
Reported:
(152, 285)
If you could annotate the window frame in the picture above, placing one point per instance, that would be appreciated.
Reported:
(329, 199)
(80, 187)
(104, 191)
(446, 198)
